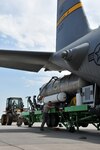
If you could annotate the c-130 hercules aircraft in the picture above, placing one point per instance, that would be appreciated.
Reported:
(77, 47)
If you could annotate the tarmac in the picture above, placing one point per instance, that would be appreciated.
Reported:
(25, 138)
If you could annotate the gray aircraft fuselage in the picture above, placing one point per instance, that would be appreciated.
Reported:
(90, 67)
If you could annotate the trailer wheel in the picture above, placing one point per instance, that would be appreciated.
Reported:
(19, 122)
(53, 120)
(49, 121)
(84, 125)
(9, 119)
(26, 122)
(30, 125)
(3, 119)
(71, 129)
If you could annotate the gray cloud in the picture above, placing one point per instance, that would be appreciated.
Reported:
(32, 23)
(92, 10)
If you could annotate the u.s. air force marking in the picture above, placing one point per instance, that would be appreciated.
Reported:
(95, 56)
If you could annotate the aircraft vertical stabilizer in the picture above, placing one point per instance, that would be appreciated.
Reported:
(71, 22)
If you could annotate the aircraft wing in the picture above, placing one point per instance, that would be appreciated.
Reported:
(24, 60)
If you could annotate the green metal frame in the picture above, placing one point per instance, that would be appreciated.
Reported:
(70, 117)
(76, 116)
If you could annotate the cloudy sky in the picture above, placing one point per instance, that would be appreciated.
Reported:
(31, 25)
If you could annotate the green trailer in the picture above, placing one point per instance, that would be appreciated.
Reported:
(71, 117)
(75, 112)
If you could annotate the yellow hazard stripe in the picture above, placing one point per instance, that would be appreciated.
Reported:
(69, 11)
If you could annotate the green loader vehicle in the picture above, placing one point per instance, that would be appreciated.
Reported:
(14, 106)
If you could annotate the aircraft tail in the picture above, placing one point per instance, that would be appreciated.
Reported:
(71, 22)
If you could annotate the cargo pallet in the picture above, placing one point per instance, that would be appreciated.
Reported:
(71, 117)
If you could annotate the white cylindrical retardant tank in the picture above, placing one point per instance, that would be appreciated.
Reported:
(78, 99)
(60, 97)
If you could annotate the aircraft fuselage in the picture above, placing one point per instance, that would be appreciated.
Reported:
(90, 67)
